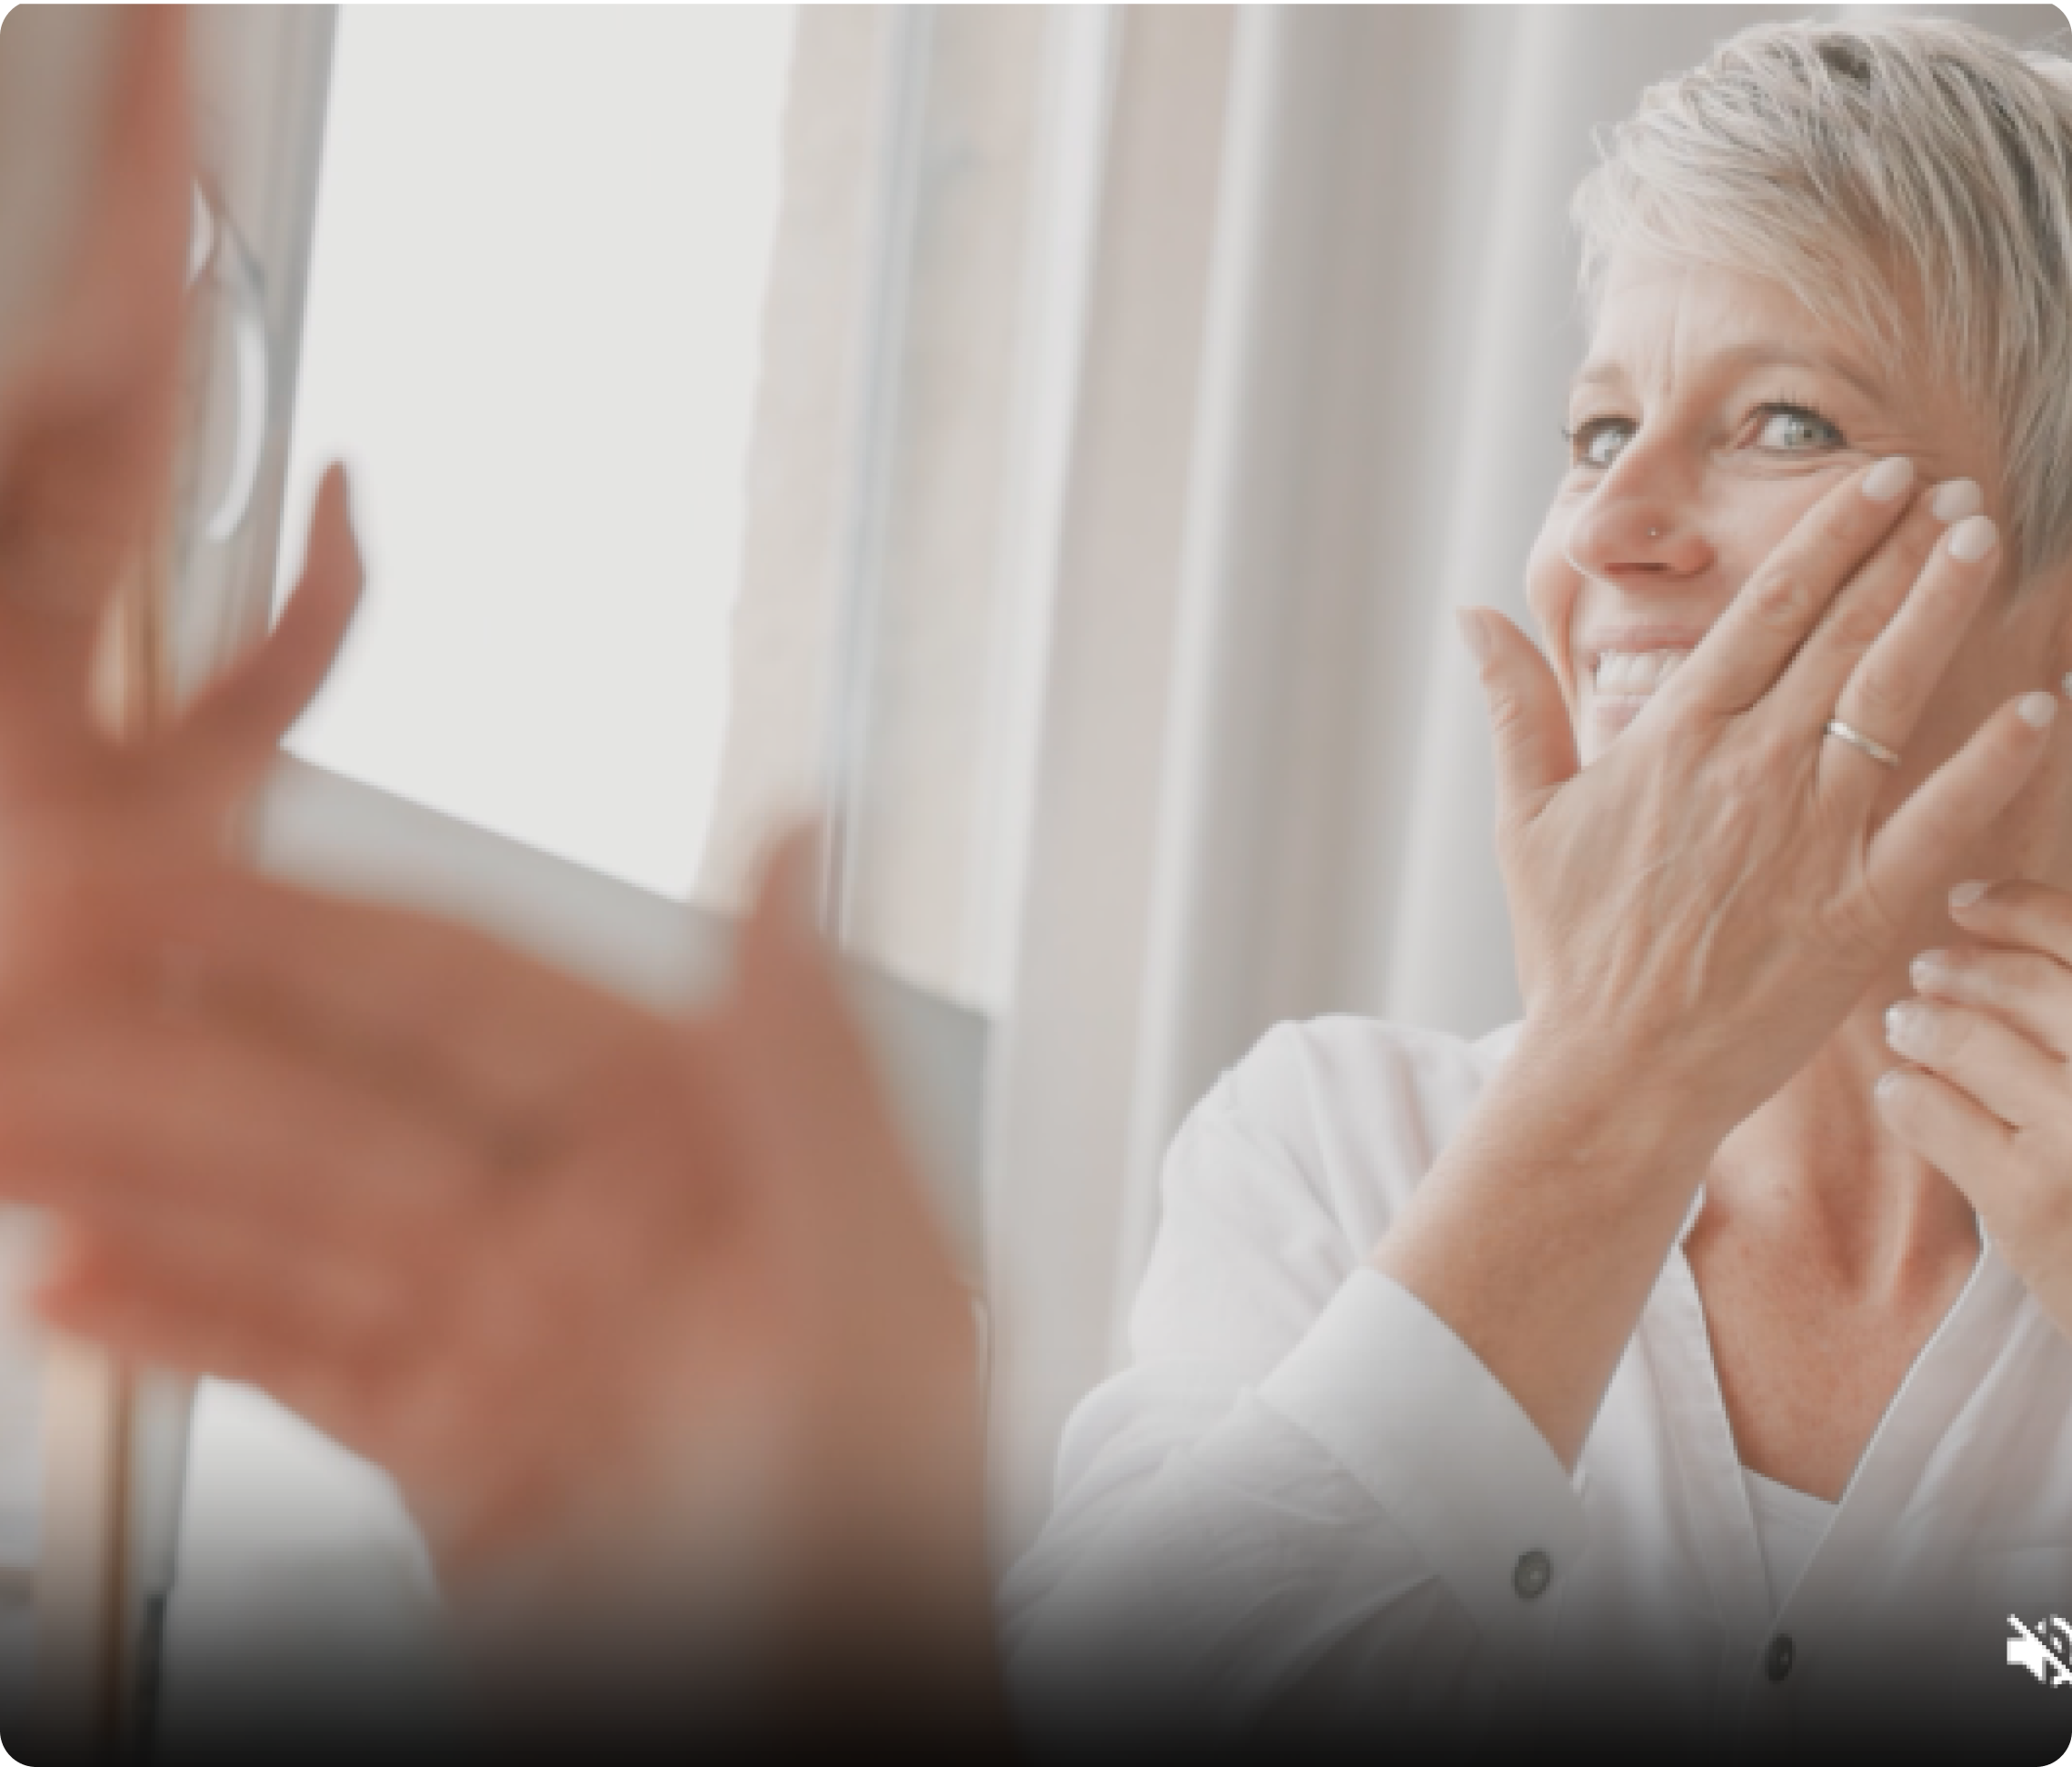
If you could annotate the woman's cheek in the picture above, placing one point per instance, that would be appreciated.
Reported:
(1750, 518)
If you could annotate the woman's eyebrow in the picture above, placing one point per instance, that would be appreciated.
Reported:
(1743, 358)
(1786, 355)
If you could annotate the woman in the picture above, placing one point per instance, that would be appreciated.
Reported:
(1642, 1366)
(1691, 1358)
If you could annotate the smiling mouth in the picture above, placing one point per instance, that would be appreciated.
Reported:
(1633, 674)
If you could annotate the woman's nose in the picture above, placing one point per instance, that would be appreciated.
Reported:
(1638, 526)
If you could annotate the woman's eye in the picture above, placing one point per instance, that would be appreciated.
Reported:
(1598, 442)
(1792, 429)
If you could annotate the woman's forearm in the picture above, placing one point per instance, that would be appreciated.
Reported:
(1540, 1230)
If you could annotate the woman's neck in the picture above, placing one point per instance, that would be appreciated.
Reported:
(1825, 1256)
(1814, 1170)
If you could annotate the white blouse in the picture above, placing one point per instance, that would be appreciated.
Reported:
(1306, 1505)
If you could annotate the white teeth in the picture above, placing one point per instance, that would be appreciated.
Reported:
(1634, 674)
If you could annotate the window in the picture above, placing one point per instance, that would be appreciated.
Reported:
(532, 333)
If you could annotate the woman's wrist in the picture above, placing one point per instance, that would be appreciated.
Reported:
(1544, 1225)
(1626, 1083)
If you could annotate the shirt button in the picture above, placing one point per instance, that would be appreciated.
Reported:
(1778, 1659)
(1535, 1572)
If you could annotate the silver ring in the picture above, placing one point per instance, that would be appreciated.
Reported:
(1855, 739)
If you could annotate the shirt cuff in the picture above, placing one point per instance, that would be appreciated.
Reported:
(1389, 1390)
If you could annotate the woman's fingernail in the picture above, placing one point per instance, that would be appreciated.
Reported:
(1965, 894)
(1953, 501)
(1888, 478)
(1888, 1084)
(1909, 1027)
(1930, 969)
(2067, 684)
(2036, 709)
(1971, 539)
(1474, 632)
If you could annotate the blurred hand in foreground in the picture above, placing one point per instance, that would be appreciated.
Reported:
(87, 432)
(649, 1318)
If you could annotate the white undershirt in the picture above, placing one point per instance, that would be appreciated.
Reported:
(1790, 1523)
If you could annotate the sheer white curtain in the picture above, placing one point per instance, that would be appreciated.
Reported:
(1294, 319)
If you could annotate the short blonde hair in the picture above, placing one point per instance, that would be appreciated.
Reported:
(1867, 167)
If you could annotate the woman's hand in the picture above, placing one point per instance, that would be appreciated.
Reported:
(1699, 907)
(1695, 912)
(87, 421)
(1987, 1101)
(651, 1321)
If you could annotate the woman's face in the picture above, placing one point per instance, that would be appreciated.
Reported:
(1713, 412)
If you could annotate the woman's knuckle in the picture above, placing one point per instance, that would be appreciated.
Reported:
(1740, 815)
(2019, 976)
(1956, 1031)
(1884, 696)
(1857, 627)
(1507, 713)
(1774, 755)
(1781, 598)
